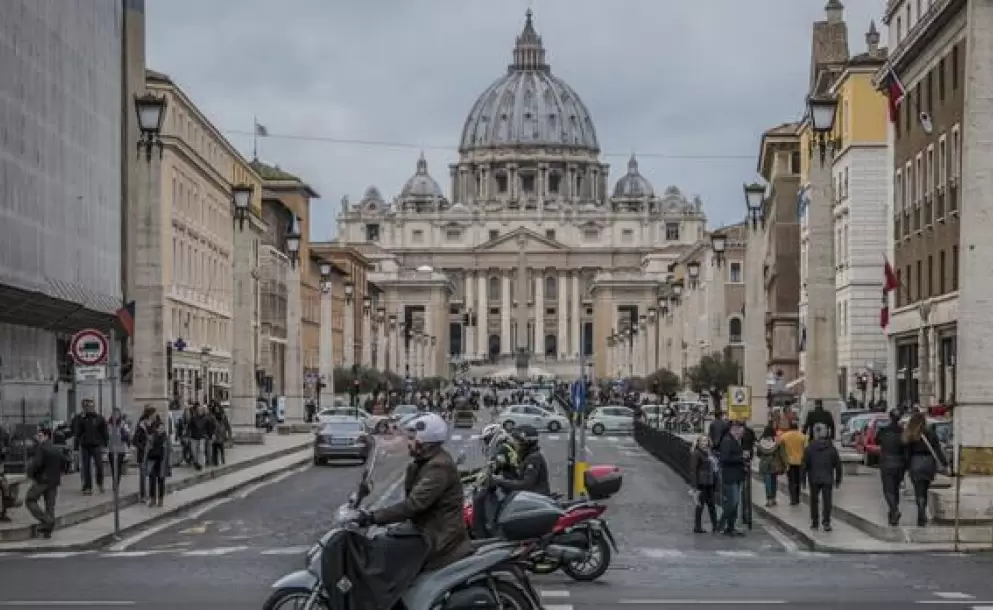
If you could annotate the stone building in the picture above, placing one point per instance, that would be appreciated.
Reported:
(928, 54)
(61, 198)
(529, 179)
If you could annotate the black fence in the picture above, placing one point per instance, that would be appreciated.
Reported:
(665, 446)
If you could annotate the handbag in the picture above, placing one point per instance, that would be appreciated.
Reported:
(934, 453)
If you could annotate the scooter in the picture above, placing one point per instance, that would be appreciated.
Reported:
(493, 576)
(581, 543)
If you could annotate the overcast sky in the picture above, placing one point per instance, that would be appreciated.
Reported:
(667, 79)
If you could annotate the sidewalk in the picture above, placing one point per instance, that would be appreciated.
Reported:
(87, 521)
(860, 522)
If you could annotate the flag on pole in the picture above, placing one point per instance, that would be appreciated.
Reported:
(126, 316)
(895, 92)
(890, 283)
(260, 130)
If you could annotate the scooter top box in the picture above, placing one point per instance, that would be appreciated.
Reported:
(602, 482)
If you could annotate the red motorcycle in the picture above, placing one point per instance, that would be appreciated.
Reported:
(581, 544)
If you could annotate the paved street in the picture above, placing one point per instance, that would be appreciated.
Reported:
(225, 555)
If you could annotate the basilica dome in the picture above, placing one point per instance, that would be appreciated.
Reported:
(421, 185)
(528, 106)
(633, 185)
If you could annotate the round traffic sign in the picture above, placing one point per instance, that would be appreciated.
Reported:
(739, 397)
(89, 347)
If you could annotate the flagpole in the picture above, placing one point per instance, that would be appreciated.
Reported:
(255, 137)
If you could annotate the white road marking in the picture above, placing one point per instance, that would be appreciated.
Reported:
(737, 553)
(553, 593)
(290, 550)
(661, 553)
(155, 529)
(613, 439)
(64, 604)
(556, 606)
(215, 552)
(702, 602)
(784, 541)
(953, 595)
(554, 437)
(127, 554)
(64, 555)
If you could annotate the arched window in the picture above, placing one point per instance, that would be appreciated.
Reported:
(494, 289)
(734, 330)
(551, 287)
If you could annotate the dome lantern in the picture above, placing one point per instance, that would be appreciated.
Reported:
(529, 54)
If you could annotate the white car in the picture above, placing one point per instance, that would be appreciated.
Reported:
(610, 419)
(530, 415)
(378, 424)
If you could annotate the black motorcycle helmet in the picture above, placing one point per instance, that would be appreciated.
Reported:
(526, 436)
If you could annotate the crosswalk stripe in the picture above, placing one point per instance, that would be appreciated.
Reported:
(64, 555)
(127, 554)
(953, 595)
(553, 593)
(737, 553)
(661, 553)
(290, 550)
(215, 552)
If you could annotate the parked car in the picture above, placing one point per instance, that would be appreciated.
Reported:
(342, 437)
(463, 419)
(854, 428)
(611, 419)
(866, 442)
(403, 410)
(378, 424)
(519, 415)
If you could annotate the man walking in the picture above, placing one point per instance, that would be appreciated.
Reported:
(820, 462)
(732, 458)
(91, 437)
(819, 416)
(794, 442)
(45, 471)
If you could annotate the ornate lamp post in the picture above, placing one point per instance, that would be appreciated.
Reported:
(241, 197)
(349, 291)
(755, 201)
(293, 243)
(718, 242)
(151, 114)
(693, 271)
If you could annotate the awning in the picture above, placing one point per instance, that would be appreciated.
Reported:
(58, 307)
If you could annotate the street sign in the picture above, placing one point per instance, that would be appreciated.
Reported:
(89, 348)
(739, 401)
(578, 395)
(91, 373)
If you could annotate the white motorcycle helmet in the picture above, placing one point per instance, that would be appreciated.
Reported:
(428, 428)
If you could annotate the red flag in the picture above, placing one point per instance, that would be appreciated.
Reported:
(895, 92)
(126, 316)
(890, 283)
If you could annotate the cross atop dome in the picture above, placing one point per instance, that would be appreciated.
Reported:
(529, 54)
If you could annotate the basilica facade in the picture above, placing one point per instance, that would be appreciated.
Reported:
(530, 248)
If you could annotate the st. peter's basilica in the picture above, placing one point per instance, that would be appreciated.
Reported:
(528, 192)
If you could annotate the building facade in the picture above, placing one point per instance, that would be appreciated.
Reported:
(528, 179)
(929, 57)
(860, 175)
(61, 197)
(356, 306)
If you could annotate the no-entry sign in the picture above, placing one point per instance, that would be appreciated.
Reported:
(89, 347)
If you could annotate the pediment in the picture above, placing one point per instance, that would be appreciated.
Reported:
(521, 239)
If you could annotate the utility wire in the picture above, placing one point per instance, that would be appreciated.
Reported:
(410, 146)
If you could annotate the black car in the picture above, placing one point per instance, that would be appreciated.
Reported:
(463, 419)
(342, 438)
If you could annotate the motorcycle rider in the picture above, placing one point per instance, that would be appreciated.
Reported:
(434, 496)
(498, 447)
(533, 469)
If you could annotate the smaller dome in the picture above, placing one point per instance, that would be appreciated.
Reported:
(633, 185)
(421, 184)
(372, 195)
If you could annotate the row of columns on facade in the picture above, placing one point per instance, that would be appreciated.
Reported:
(481, 182)
(478, 304)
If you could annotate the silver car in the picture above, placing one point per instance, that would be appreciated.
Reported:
(342, 438)
(530, 415)
(610, 419)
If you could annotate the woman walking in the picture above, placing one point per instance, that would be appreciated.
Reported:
(139, 439)
(118, 445)
(924, 454)
(703, 473)
(157, 461)
(772, 462)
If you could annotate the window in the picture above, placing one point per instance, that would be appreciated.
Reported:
(918, 178)
(942, 161)
(553, 183)
(550, 233)
(493, 289)
(372, 232)
(551, 287)
(956, 152)
(417, 236)
(930, 92)
(549, 311)
(929, 170)
(898, 190)
(919, 280)
(453, 235)
(494, 234)
(627, 235)
(908, 278)
(527, 183)
(899, 29)
(899, 283)
(501, 182)
(734, 330)
(795, 163)
(941, 272)
(941, 80)
(672, 231)
(734, 272)
(955, 67)
(955, 267)
(591, 234)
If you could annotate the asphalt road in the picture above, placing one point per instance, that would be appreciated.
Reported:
(226, 556)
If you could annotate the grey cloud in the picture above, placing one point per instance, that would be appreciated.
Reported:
(659, 76)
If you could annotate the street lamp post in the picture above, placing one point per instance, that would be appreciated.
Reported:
(244, 388)
(610, 355)
(718, 243)
(755, 367)
(348, 336)
(366, 359)
(642, 368)
(326, 345)
(822, 357)
(392, 325)
(651, 341)
(693, 271)
(632, 335)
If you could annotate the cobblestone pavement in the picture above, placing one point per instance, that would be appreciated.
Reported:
(227, 556)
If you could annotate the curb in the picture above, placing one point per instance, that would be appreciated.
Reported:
(22, 534)
(167, 512)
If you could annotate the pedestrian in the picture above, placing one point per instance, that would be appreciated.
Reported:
(818, 415)
(924, 455)
(139, 440)
(794, 443)
(704, 468)
(90, 435)
(222, 432)
(822, 467)
(732, 461)
(200, 431)
(118, 445)
(717, 429)
(45, 472)
(772, 462)
(892, 463)
(157, 458)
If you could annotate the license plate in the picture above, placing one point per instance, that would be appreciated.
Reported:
(341, 442)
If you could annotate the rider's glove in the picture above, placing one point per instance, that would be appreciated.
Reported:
(363, 518)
